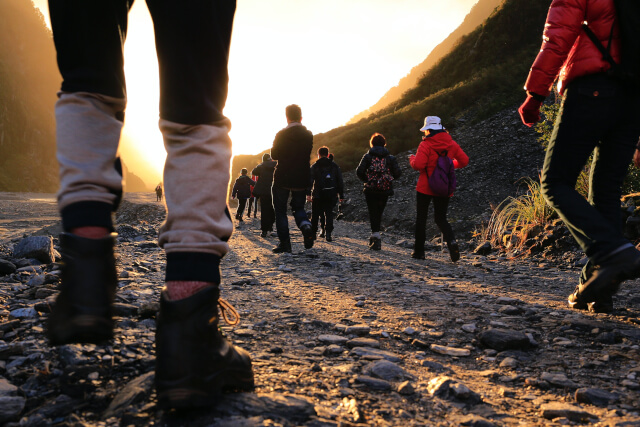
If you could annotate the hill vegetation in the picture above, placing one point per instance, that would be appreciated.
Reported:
(29, 80)
(482, 75)
(476, 16)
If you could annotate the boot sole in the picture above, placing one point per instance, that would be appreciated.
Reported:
(186, 398)
(82, 330)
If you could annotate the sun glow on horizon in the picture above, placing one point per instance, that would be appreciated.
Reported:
(333, 58)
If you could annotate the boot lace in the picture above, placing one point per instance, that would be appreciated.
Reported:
(225, 309)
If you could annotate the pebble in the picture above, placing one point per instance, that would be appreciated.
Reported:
(554, 410)
(385, 370)
(596, 397)
(363, 342)
(450, 351)
(504, 339)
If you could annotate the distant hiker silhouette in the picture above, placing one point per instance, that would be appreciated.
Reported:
(264, 171)
(292, 150)
(437, 152)
(242, 191)
(253, 201)
(377, 169)
(325, 188)
(159, 192)
(194, 362)
(599, 116)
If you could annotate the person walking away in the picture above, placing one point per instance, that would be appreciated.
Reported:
(264, 171)
(598, 116)
(242, 191)
(253, 200)
(325, 187)
(322, 219)
(194, 361)
(292, 150)
(436, 143)
(377, 169)
(159, 192)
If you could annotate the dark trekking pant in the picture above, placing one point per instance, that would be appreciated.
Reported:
(323, 206)
(280, 197)
(376, 203)
(597, 116)
(440, 206)
(267, 215)
(251, 199)
(242, 203)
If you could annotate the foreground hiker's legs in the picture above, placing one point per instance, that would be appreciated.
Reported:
(608, 124)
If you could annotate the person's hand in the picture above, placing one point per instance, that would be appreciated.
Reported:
(309, 198)
(341, 200)
(530, 111)
(636, 157)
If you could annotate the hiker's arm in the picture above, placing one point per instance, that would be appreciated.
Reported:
(275, 150)
(361, 171)
(421, 159)
(256, 171)
(564, 24)
(396, 172)
(311, 180)
(339, 183)
(460, 158)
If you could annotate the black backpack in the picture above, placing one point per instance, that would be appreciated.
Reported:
(628, 18)
(327, 179)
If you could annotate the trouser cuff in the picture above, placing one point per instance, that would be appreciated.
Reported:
(87, 214)
(193, 266)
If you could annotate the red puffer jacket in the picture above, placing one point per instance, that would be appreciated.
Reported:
(566, 50)
(426, 158)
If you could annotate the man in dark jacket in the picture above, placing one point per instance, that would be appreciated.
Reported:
(242, 190)
(264, 171)
(292, 150)
(324, 188)
(598, 116)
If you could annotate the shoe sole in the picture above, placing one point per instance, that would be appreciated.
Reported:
(82, 330)
(454, 253)
(181, 398)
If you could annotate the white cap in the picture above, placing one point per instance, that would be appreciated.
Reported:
(431, 122)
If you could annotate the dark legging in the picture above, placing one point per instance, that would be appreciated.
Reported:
(241, 205)
(376, 203)
(440, 206)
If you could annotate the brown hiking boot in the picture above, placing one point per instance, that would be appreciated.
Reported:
(83, 309)
(194, 362)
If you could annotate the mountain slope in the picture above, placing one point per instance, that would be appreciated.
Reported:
(482, 75)
(478, 14)
(29, 80)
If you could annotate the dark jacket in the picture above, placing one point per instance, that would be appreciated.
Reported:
(392, 165)
(316, 174)
(242, 187)
(292, 149)
(264, 171)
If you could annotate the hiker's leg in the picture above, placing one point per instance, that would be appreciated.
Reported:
(582, 122)
(242, 203)
(328, 204)
(375, 213)
(298, 199)
(316, 211)
(440, 207)
(267, 216)
(280, 197)
(422, 212)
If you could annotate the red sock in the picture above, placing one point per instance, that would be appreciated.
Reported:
(178, 289)
(90, 232)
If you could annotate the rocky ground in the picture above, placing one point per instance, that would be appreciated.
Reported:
(339, 335)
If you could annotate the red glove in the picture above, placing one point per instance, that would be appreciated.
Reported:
(530, 111)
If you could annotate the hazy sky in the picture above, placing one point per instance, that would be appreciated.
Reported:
(334, 58)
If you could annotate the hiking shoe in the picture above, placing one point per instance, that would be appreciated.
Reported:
(264, 234)
(322, 233)
(83, 309)
(309, 236)
(454, 251)
(603, 303)
(282, 247)
(375, 243)
(194, 362)
(328, 237)
(417, 254)
(607, 277)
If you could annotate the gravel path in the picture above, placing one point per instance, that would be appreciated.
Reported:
(339, 335)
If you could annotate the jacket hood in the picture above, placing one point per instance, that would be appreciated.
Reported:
(323, 162)
(378, 151)
(439, 141)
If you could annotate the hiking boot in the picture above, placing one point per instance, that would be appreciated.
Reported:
(264, 234)
(83, 309)
(194, 362)
(322, 233)
(309, 236)
(417, 254)
(282, 247)
(375, 243)
(603, 304)
(328, 237)
(606, 278)
(454, 250)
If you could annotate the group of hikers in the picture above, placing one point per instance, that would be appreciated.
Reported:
(585, 46)
(286, 170)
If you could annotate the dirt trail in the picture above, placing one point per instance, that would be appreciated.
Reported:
(341, 335)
